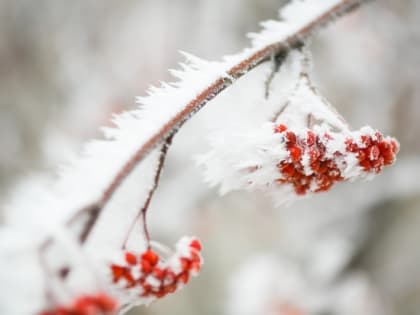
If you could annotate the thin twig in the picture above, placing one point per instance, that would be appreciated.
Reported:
(143, 211)
(237, 71)
(279, 112)
(277, 61)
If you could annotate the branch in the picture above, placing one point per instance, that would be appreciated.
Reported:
(143, 211)
(245, 62)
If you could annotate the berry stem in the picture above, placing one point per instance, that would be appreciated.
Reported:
(143, 211)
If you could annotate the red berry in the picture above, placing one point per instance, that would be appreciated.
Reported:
(195, 244)
(151, 257)
(361, 155)
(365, 164)
(287, 169)
(117, 272)
(291, 137)
(366, 140)
(105, 302)
(300, 190)
(170, 288)
(160, 294)
(184, 277)
(130, 258)
(86, 305)
(295, 153)
(146, 266)
(147, 289)
(185, 263)
(159, 273)
(280, 128)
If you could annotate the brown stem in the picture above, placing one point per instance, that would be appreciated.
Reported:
(277, 61)
(143, 211)
(237, 71)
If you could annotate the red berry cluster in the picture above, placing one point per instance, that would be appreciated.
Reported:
(374, 152)
(98, 304)
(324, 168)
(154, 277)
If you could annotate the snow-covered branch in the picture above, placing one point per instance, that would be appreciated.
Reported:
(168, 107)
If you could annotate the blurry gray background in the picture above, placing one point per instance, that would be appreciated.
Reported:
(66, 66)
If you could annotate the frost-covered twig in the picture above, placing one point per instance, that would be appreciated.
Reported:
(300, 20)
(143, 211)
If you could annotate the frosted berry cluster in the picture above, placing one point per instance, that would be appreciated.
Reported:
(149, 276)
(316, 161)
(373, 153)
(98, 304)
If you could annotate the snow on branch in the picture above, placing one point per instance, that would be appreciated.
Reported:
(168, 107)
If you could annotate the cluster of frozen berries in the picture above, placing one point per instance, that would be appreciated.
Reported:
(374, 152)
(98, 304)
(316, 162)
(152, 277)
